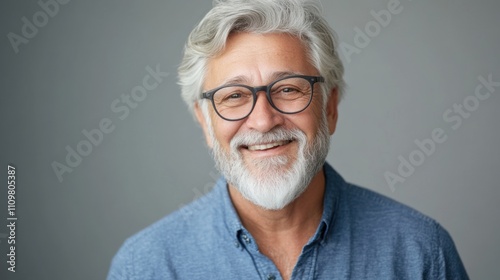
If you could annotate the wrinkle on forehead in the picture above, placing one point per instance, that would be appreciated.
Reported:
(241, 79)
(257, 59)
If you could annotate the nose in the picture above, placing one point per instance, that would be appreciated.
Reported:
(264, 117)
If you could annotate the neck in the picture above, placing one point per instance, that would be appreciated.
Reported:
(297, 220)
(281, 234)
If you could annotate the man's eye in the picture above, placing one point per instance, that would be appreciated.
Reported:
(234, 96)
(289, 89)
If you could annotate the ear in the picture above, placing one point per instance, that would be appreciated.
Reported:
(203, 123)
(331, 110)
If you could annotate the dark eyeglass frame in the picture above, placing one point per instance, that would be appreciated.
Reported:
(311, 79)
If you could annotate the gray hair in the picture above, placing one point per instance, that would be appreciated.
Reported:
(300, 18)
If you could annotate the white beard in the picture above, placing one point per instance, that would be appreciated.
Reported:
(269, 183)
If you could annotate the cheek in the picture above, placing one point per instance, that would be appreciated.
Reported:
(309, 120)
(224, 131)
(317, 109)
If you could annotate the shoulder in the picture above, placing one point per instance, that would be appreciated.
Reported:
(398, 234)
(193, 217)
(377, 214)
(374, 205)
(167, 240)
(358, 205)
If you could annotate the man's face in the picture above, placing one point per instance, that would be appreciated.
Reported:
(268, 145)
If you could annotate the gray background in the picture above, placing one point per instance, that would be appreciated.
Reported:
(65, 78)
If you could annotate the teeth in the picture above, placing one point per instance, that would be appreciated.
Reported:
(266, 146)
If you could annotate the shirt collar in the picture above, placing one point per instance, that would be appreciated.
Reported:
(333, 183)
(231, 219)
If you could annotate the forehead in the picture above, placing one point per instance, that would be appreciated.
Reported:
(257, 59)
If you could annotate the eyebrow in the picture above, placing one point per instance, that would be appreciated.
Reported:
(241, 79)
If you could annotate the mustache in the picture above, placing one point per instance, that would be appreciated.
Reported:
(253, 137)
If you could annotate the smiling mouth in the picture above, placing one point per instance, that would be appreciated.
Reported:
(262, 147)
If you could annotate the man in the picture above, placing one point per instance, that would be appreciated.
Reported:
(263, 79)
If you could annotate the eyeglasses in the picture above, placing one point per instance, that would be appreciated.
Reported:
(288, 95)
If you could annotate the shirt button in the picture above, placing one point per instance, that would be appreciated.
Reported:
(271, 277)
(245, 238)
(237, 244)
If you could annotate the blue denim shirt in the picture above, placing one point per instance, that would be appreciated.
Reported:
(362, 235)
